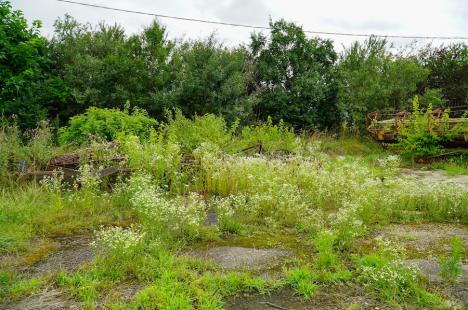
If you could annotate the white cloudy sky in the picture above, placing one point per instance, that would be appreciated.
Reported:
(406, 17)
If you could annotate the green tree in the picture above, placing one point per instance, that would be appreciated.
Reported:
(372, 79)
(448, 67)
(211, 78)
(105, 68)
(294, 77)
(27, 88)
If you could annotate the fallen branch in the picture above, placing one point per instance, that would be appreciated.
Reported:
(272, 305)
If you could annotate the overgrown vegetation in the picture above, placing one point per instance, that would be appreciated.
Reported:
(141, 226)
(197, 130)
(421, 134)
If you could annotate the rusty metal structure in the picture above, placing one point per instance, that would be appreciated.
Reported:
(386, 127)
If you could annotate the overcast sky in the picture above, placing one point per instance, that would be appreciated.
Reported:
(399, 17)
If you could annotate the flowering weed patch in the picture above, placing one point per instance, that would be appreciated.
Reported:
(174, 202)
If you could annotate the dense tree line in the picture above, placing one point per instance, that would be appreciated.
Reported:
(283, 75)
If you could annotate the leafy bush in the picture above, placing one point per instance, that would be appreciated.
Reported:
(190, 134)
(421, 134)
(107, 124)
(159, 157)
(271, 138)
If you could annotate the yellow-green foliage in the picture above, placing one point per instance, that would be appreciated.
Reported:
(106, 124)
(190, 134)
(34, 148)
(270, 137)
(422, 134)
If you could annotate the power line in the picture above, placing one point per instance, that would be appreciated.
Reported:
(260, 27)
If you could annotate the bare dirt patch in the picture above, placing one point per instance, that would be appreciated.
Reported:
(331, 297)
(71, 253)
(48, 298)
(120, 294)
(241, 258)
(67, 254)
(425, 240)
(436, 176)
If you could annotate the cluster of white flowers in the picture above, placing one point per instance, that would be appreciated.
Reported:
(111, 239)
(88, 178)
(390, 163)
(389, 248)
(346, 220)
(53, 183)
(394, 276)
(292, 187)
(177, 213)
(437, 199)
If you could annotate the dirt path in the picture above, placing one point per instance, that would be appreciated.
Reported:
(328, 298)
(436, 176)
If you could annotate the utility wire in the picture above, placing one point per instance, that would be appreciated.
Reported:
(261, 27)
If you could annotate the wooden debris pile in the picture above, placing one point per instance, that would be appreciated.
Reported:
(69, 165)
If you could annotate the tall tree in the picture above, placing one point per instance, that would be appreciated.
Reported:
(448, 67)
(105, 68)
(295, 77)
(211, 78)
(27, 88)
(373, 79)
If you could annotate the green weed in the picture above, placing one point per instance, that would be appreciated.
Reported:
(303, 280)
(451, 265)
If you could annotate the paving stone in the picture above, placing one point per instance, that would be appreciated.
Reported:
(240, 258)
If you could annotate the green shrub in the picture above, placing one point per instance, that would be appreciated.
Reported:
(451, 265)
(271, 137)
(421, 134)
(157, 156)
(303, 281)
(190, 134)
(106, 124)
